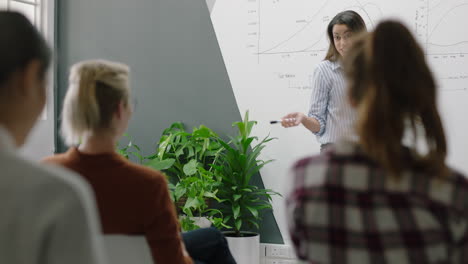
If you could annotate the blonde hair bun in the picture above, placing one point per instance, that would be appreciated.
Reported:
(82, 110)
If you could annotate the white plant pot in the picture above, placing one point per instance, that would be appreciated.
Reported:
(202, 222)
(245, 250)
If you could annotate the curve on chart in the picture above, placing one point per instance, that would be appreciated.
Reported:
(444, 17)
(448, 45)
(436, 5)
(358, 6)
(299, 31)
(362, 7)
(317, 42)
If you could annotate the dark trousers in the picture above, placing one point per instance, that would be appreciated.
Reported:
(207, 246)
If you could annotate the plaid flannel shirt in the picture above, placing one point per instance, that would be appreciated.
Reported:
(345, 209)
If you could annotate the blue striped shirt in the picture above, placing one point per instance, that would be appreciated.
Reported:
(329, 103)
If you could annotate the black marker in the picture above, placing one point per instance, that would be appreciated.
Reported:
(279, 121)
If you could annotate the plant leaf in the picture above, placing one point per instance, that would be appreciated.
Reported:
(192, 202)
(179, 191)
(254, 223)
(238, 224)
(202, 132)
(180, 151)
(163, 143)
(252, 210)
(236, 211)
(236, 197)
(136, 147)
(247, 142)
(160, 164)
(191, 167)
(191, 151)
(211, 195)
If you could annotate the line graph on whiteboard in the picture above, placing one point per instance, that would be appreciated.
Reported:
(441, 18)
(442, 25)
(271, 47)
(310, 32)
(277, 39)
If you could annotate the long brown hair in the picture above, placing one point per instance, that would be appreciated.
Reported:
(349, 18)
(392, 86)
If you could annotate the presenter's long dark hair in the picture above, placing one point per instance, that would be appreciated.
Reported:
(349, 18)
(394, 92)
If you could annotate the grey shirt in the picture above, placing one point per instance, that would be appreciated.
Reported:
(47, 214)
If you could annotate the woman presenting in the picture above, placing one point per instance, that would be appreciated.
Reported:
(330, 115)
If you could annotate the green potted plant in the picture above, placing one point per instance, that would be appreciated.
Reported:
(242, 202)
(130, 149)
(186, 158)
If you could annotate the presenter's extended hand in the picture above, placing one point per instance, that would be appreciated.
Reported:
(293, 119)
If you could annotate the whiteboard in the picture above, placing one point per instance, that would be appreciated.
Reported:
(271, 47)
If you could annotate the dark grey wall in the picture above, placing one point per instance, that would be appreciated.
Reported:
(178, 72)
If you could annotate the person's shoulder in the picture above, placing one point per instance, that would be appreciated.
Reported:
(310, 161)
(44, 178)
(448, 193)
(71, 190)
(326, 65)
(457, 182)
(338, 152)
(71, 184)
(338, 157)
(458, 178)
(312, 171)
(54, 159)
(326, 70)
(65, 177)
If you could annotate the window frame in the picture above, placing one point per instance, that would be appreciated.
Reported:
(45, 21)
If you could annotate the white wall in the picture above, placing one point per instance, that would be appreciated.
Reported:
(270, 49)
(210, 4)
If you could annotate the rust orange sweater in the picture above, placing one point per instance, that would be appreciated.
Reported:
(131, 199)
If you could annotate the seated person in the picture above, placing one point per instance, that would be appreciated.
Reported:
(382, 199)
(132, 199)
(47, 215)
